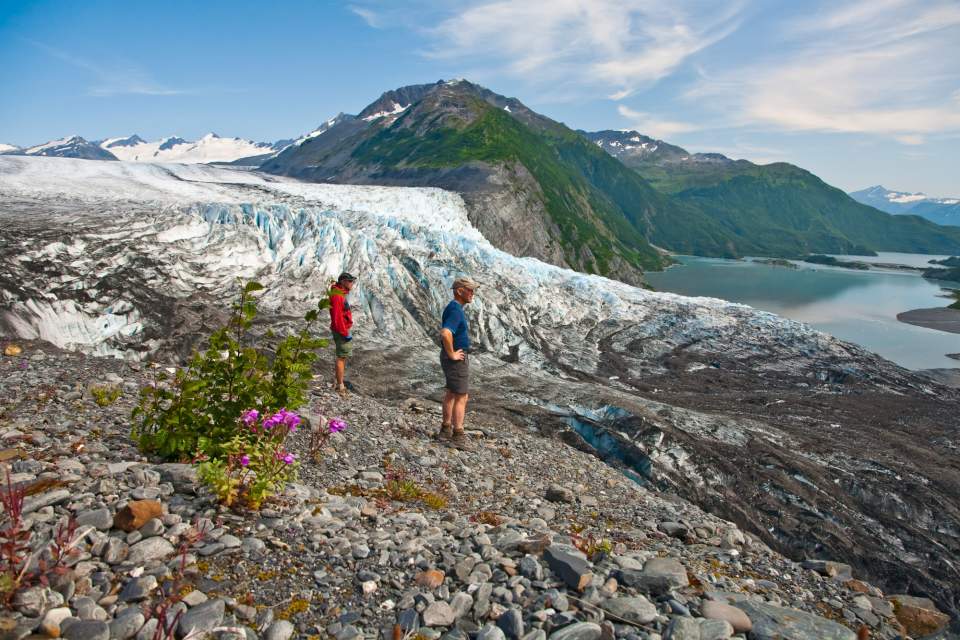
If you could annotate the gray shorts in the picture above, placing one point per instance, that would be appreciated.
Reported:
(456, 372)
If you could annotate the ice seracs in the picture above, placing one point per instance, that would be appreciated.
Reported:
(195, 229)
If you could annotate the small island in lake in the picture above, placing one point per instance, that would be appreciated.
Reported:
(830, 261)
(776, 262)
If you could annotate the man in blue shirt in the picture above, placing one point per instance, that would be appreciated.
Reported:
(455, 344)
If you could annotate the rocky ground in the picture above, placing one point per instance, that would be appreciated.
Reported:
(487, 544)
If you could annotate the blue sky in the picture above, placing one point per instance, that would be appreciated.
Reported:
(860, 93)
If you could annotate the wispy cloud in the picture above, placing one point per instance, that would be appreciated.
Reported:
(887, 67)
(614, 46)
(653, 126)
(116, 79)
(372, 18)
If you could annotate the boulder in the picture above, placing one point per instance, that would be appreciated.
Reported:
(771, 622)
(723, 611)
(136, 514)
(919, 616)
(569, 565)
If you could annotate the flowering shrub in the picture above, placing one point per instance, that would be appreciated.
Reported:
(198, 410)
(257, 463)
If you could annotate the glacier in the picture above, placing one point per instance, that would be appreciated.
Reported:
(203, 228)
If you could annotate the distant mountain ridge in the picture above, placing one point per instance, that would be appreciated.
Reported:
(945, 211)
(68, 147)
(736, 208)
(209, 148)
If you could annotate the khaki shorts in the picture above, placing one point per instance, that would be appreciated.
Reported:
(344, 348)
(456, 372)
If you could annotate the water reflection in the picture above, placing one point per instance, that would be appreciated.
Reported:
(859, 306)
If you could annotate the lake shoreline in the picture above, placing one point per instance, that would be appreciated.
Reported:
(939, 318)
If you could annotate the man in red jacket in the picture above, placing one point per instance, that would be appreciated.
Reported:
(341, 322)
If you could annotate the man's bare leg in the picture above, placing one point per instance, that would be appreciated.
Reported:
(459, 410)
(338, 372)
(448, 400)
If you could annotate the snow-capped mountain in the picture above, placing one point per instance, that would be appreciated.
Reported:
(209, 148)
(632, 147)
(940, 210)
(69, 147)
(8, 148)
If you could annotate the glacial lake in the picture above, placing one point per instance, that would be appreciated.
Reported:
(857, 306)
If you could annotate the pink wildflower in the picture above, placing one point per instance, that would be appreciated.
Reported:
(244, 460)
(336, 425)
(250, 417)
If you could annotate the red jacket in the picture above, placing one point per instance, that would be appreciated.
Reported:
(341, 319)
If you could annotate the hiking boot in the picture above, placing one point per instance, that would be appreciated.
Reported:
(461, 441)
(445, 433)
(341, 390)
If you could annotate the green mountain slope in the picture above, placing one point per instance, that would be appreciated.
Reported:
(737, 208)
(458, 135)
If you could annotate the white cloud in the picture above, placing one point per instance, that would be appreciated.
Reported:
(368, 16)
(612, 46)
(885, 68)
(652, 126)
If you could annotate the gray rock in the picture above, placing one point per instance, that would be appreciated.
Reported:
(409, 620)
(155, 548)
(683, 629)
(126, 625)
(511, 623)
(152, 527)
(33, 602)
(279, 630)
(556, 493)
(203, 617)
(638, 610)
(668, 568)
(33, 503)
(147, 631)
(531, 568)
(578, 631)
(88, 630)
(569, 565)
(138, 589)
(461, 603)
(490, 632)
(253, 546)
(771, 622)
(439, 614)
(182, 476)
(194, 598)
(715, 629)
(115, 551)
(100, 519)
(674, 529)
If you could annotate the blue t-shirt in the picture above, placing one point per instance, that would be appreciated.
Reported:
(456, 322)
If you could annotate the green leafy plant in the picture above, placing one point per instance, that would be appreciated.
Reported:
(257, 464)
(197, 410)
(106, 395)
